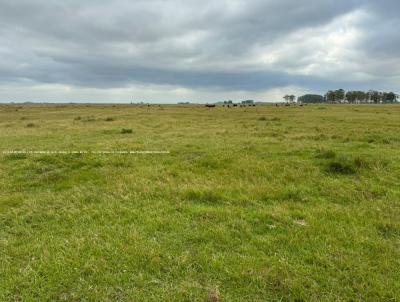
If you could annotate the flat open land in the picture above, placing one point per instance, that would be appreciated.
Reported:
(251, 204)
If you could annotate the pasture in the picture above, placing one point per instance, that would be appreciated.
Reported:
(250, 204)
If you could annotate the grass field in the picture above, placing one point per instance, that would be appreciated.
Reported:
(251, 204)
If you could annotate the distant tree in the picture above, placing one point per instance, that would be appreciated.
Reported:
(286, 98)
(311, 98)
(330, 96)
(340, 95)
(292, 98)
(390, 97)
(351, 96)
(362, 96)
(375, 96)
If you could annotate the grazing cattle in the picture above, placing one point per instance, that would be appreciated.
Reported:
(234, 105)
(210, 105)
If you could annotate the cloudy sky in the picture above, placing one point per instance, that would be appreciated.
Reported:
(191, 50)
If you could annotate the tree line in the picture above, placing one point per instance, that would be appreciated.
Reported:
(354, 97)
(289, 98)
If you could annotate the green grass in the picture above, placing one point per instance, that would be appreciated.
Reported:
(257, 204)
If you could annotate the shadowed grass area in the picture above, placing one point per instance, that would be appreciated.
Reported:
(251, 204)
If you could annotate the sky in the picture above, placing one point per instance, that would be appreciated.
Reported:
(169, 51)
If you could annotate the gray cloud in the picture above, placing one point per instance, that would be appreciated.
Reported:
(226, 45)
